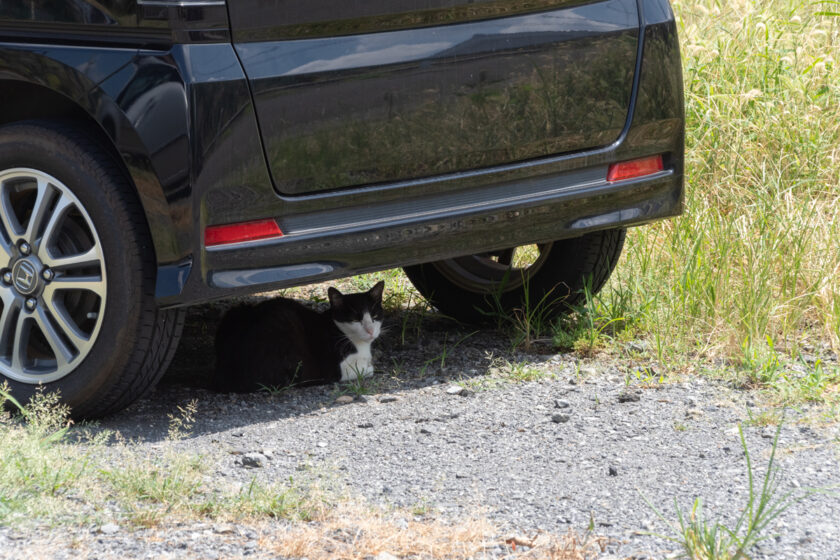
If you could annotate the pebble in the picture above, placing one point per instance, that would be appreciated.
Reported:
(253, 460)
(694, 413)
(365, 425)
(223, 529)
(109, 529)
(387, 398)
(559, 418)
(344, 399)
(455, 390)
(629, 396)
(385, 556)
(562, 404)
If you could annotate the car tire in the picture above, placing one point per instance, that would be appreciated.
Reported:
(476, 288)
(77, 274)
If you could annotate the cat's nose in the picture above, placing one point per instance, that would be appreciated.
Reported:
(369, 329)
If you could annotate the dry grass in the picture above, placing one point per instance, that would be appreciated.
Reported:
(352, 532)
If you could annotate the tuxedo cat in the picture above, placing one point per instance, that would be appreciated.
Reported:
(280, 342)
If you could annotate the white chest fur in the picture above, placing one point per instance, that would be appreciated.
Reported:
(357, 365)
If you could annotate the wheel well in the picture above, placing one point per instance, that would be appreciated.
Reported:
(22, 101)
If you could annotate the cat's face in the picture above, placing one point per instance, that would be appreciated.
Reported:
(358, 316)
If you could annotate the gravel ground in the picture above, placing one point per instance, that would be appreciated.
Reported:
(574, 447)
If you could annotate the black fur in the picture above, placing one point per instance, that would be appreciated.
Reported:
(279, 342)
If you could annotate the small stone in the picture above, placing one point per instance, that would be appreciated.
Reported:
(589, 370)
(237, 451)
(366, 425)
(629, 396)
(455, 390)
(613, 470)
(253, 460)
(237, 434)
(269, 453)
(559, 418)
(387, 398)
(344, 399)
(427, 431)
(693, 413)
(561, 404)
(322, 444)
(385, 556)
(109, 529)
(223, 529)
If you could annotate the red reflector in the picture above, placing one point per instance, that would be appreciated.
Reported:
(635, 168)
(245, 231)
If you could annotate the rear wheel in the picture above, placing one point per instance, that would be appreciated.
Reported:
(77, 274)
(473, 288)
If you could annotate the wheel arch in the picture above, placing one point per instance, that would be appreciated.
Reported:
(103, 120)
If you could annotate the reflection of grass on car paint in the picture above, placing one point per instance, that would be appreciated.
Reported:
(544, 112)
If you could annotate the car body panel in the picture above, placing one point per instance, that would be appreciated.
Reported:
(362, 109)
(206, 165)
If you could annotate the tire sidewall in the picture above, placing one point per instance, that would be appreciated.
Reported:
(556, 285)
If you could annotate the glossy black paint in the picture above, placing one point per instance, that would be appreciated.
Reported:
(147, 23)
(203, 163)
(377, 107)
(257, 20)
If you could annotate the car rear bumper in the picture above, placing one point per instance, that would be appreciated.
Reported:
(542, 208)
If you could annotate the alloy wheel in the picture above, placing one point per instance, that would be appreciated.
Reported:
(53, 285)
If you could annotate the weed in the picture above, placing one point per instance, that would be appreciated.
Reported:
(518, 372)
(360, 385)
(701, 539)
(440, 359)
(645, 377)
(767, 417)
(181, 424)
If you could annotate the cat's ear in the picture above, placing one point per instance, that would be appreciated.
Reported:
(375, 293)
(336, 297)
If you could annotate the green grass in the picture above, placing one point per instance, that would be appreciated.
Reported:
(53, 473)
(752, 266)
(702, 539)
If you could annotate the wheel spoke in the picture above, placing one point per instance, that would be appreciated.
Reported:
(39, 210)
(20, 340)
(8, 219)
(90, 257)
(66, 324)
(64, 203)
(63, 353)
(93, 284)
(7, 324)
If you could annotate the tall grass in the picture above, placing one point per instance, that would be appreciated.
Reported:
(753, 265)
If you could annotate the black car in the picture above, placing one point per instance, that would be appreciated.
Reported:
(160, 153)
